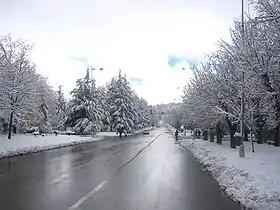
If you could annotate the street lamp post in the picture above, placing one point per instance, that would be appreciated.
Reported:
(241, 148)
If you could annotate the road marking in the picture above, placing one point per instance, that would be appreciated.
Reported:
(138, 153)
(88, 195)
(101, 185)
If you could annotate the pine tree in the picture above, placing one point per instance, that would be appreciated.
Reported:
(85, 113)
(153, 116)
(121, 105)
(60, 108)
(139, 114)
(44, 126)
(103, 101)
(146, 115)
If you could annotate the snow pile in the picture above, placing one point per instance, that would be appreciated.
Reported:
(24, 144)
(106, 134)
(170, 128)
(253, 181)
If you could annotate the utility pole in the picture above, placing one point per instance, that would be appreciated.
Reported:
(241, 148)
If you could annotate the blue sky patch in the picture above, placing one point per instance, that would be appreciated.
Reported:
(79, 59)
(136, 80)
(173, 60)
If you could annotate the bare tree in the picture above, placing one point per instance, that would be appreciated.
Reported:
(18, 77)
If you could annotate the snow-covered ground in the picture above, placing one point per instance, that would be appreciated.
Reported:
(24, 144)
(254, 181)
(106, 134)
(27, 143)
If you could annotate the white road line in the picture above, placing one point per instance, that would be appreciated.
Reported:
(88, 195)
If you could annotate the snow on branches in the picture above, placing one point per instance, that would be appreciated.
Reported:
(213, 95)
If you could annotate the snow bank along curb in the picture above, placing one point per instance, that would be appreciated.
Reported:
(25, 144)
(242, 180)
(38, 148)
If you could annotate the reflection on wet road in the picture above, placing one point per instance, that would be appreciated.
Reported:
(140, 172)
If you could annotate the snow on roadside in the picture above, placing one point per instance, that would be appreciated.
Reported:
(24, 144)
(27, 143)
(106, 134)
(253, 181)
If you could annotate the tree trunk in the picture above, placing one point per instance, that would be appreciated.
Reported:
(205, 135)
(219, 138)
(246, 133)
(5, 127)
(252, 140)
(10, 125)
(232, 130)
(14, 129)
(259, 135)
(232, 140)
(276, 137)
(212, 135)
(120, 134)
(219, 131)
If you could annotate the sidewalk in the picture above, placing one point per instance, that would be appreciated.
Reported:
(254, 181)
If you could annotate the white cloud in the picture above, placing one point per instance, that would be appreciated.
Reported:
(136, 36)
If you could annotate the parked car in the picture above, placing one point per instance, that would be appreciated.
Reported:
(69, 133)
(32, 129)
(146, 132)
(36, 133)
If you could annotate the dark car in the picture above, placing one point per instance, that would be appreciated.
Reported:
(146, 132)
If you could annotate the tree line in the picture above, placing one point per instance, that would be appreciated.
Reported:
(27, 101)
(212, 99)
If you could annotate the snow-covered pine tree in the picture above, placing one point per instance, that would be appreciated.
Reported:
(85, 113)
(103, 101)
(44, 126)
(144, 113)
(138, 113)
(121, 105)
(153, 116)
(60, 108)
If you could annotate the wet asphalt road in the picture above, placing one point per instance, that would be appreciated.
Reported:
(138, 172)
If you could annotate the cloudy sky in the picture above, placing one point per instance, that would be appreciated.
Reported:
(150, 40)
